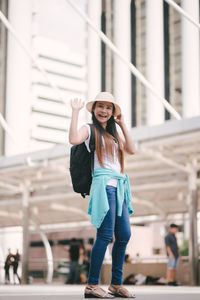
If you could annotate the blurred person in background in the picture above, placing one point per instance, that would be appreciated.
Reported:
(84, 265)
(141, 279)
(74, 253)
(15, 265)
(8, 262)
(173, 254)
(127, 259)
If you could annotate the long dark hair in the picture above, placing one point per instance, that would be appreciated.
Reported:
(110, 136)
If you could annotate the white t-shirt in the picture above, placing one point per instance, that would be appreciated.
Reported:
(140, 279)
(110, 164)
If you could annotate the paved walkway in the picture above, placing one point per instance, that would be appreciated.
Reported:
(75, 292)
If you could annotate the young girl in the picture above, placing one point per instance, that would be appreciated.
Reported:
(110, 196)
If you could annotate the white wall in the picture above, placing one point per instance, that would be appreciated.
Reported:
(141, 241)
(18, 93)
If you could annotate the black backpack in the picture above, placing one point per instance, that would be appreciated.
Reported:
(82, 165)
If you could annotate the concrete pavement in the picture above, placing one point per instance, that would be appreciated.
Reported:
(75, 292)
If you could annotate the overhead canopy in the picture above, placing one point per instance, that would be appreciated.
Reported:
(158, 172)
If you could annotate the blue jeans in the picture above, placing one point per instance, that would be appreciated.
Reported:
(112, 224)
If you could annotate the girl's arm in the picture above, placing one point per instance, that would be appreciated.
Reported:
(77, 136)
(129, 146)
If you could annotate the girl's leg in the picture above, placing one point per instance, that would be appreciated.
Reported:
(122, 236)
(104, 237)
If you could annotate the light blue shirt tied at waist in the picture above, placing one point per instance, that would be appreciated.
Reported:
(98, 203)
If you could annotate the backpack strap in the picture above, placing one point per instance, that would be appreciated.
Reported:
(92, 145)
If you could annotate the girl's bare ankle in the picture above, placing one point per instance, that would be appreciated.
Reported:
(116, 285)
(92, 285)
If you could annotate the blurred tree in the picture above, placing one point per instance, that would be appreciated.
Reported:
(184, 248)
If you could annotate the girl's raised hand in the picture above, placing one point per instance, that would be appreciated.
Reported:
(119, 120)
(77, 104)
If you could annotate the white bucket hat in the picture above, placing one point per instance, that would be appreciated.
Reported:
(106, 97)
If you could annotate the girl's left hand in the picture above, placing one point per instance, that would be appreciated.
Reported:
(119, 120)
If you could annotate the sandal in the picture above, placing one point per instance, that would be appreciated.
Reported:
(120, 292)
(97, 292)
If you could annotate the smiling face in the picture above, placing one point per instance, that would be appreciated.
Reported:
(103, 111)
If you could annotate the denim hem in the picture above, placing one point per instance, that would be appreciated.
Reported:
(92, 280)
(116, 282)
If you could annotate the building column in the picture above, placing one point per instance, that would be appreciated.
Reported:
(190, 61)
(25, 226)
(108, 51)
(122, 40)
(18, 87)
(193, 235)
(94, 50)
(3, 58)
(154, 60)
